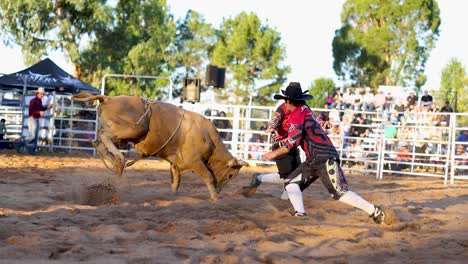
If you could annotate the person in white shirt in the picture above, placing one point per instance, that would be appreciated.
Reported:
(357, 99)
(368, 100)
(347, 99)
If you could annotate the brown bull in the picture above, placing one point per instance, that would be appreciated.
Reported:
(187, 140)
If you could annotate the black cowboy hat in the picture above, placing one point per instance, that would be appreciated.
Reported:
(294, 92)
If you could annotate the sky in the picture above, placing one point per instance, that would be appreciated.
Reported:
(307, 29)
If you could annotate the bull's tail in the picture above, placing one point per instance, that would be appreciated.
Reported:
(85, 97)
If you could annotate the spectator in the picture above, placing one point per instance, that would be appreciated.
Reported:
(404, 133)
(390, 133)
(324, 118)
(368, 100)
(329, 101)
(223, 124)
(400, 109)
(436, 117)
(355, 152)
(359, 129)
(379, 100)
(337, 99)
(334, 116)
(335, 136)
(208, 112)
(411, 101)
(3, 132)
(388, 101)
(347, 121)
(434, 108)
(347, 98)
(426, 100)
(420, 147)
(258, 149)
(36, 110)
(447, 108)
(463, 137)
(404, 155)
(461, 159)
(356, 100)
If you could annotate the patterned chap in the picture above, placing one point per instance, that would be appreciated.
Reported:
(333, 178)
(329, 172)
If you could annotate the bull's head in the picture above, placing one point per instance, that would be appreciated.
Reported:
(229, 172)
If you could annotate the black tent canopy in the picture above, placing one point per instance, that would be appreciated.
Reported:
(48, 75)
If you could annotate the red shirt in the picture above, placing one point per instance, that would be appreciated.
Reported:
(305, 131)
(35, 106)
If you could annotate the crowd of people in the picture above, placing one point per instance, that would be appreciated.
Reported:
(363, 99)
(415, 125)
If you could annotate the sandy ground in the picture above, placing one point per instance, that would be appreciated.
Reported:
(45, 217)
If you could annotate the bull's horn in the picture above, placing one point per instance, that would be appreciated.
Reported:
(236, 162)
(243, 163)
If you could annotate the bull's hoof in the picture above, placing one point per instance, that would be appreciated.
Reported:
(119, 165)
(247, 191)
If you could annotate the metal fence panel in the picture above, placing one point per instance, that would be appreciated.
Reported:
(374, 145)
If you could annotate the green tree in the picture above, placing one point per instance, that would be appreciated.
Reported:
(385, 42)
(453, 86)
(253, 56)
(194, 38)
(137, 42)
(320, 89)
(98, 36)
(42, 26)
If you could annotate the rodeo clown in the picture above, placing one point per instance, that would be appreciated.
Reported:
(322, 159)
(288, 162)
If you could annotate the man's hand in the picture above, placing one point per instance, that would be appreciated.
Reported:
(41, 113)
(268, 156)
(275, 135)
(50, 106)
(273, 154)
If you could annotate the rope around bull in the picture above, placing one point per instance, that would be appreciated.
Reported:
(147, 102)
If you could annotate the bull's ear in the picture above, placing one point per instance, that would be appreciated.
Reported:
(236, 163)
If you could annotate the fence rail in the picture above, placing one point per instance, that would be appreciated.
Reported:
(385, 142)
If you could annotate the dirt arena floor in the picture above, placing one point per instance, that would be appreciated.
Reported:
(50, 213)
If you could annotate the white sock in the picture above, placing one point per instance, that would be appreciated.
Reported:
(284, 195)
(295, 196)
(270, 177)
(357, 201)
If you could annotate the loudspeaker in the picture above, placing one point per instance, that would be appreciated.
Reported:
(191, 92)
(211, 78)
(221, 77)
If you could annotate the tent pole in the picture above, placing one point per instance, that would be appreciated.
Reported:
(23, 104)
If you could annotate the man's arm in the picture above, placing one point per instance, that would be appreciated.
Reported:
(276, 120)
(276, 153)
(293, 140)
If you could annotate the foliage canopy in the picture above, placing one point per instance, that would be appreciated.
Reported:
(385, 42)
(453, 85)
(253, 56)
